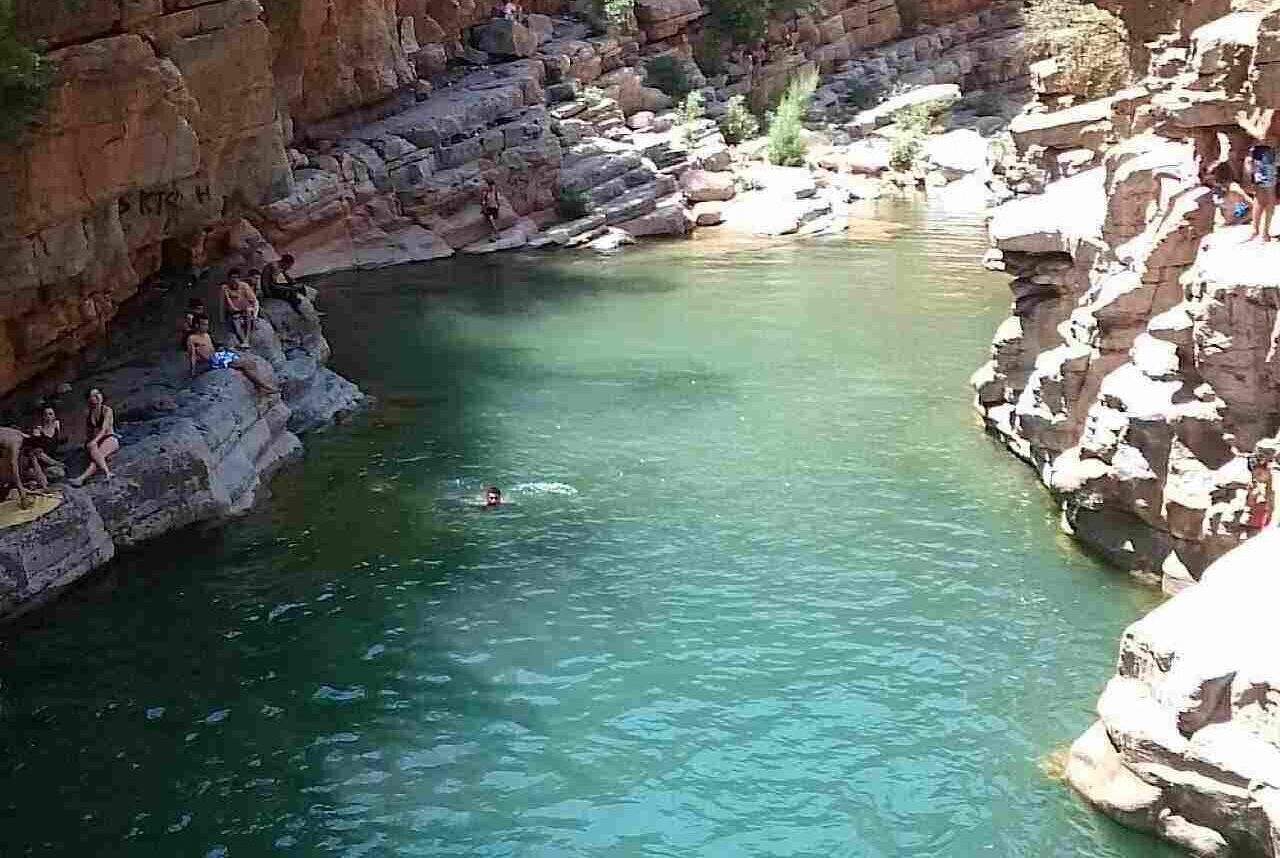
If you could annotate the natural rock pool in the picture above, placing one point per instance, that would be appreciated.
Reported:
(764, 588)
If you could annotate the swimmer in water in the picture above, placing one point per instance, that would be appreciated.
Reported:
(492, 497)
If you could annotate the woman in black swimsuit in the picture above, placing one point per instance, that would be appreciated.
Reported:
(100, 437)
(42, 442)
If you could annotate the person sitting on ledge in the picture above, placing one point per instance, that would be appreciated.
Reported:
(1231, 199)
(11, 444)
(100, 437)
(42, 443)
(277, 283)
(195, 309)
(241, 305)
(203, 356)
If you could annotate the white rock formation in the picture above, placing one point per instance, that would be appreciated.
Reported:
(1187, 744)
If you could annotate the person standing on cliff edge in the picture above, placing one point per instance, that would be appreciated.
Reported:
(490, 204)
(1260, 500)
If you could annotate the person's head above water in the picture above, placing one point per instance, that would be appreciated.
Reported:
(492, 496)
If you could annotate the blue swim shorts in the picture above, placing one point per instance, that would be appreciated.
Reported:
(222, 359)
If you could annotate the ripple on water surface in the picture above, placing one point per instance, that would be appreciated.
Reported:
(763, 588)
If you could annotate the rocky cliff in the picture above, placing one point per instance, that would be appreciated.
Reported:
(356, 131)
(1138, 374)
(1138, 370)
(191, 450)
(1187, 744)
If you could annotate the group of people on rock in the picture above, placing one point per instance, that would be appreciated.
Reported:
(26, 455)
(242, 306)
(1243, 193)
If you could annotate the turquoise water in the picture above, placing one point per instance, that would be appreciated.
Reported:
(764, 588)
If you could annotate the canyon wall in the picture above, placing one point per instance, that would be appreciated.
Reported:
(1187, 744)
(1138, 371)
(168, 120)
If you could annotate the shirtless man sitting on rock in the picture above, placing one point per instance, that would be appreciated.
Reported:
(203, 356)
(11, 441)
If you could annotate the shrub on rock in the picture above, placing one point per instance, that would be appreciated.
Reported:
(786, 139)
(738, 122)
(667, 73)
(24, 78)
(572, 205)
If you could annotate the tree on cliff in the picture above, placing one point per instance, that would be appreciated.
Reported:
(24, 78)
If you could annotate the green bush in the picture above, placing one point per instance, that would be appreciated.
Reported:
(24, 78)
(572, 205)
(615, 12)
(667, 73)
(708, 53)
(904, 149)
(738, 122)
(863, 93)
(741, 20)
(786, 139)
(690, 112)
(916, 119)
(1090, 45)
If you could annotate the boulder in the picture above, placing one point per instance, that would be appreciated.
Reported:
(39, 558)
(708, 214)
(640, 121)
(865, 157)
(937, 97)
(1085, 125)
(662, 19)
(542, 28)
(701, 186)
(669, 219)
(957, 153)
(611, 240)
(504, 38)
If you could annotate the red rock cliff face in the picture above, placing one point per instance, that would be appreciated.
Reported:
(160, 119)
(164, 117)
(332, 56)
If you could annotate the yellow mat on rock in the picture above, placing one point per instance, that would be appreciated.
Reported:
(11, 514)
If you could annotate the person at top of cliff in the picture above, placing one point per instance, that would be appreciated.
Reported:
(492, 497)
(100, 440)
(1231, 199)
(278, 283)
(241, 305)
(490, 204)
(1260, 499)
(11, 454)
(204, 356)
(511, 11)
(1260, 164)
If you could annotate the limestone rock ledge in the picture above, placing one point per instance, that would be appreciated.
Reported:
(1187, 744)
(192, 451)
(1137, 370)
